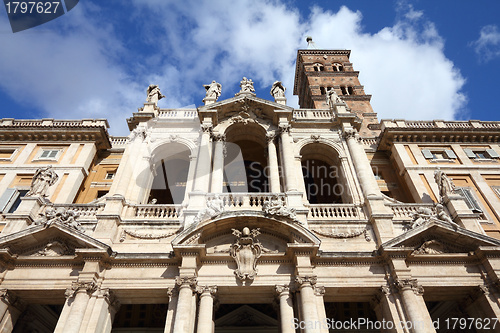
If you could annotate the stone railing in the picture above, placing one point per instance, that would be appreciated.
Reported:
(84, 211)
(311, 114)
(237, 201)
(405, 211)
(168, 212)
(424, 124)
(335, 212)
(178, 114)
(54, 123)
(118, 141)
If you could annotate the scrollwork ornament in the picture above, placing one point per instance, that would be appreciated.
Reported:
(306, 280)
(206, 128)
(190, 281)
(406, 284)
(88, 287)
(349, 134)
(284, 128)
(284, 288)
(212, 290)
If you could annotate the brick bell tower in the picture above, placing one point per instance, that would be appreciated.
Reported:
(318, 71)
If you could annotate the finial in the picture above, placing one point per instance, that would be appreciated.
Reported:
(310, 43)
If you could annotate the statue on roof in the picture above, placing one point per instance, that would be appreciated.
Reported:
(213, 90)
(277, 90)
(246, 85)
(154, 94)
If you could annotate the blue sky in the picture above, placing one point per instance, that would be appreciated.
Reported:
(419, 59)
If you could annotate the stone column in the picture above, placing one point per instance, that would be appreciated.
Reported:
(102, 312)
(218, 167)
(362, 165)
(77, 298)
(485, 304)
(203, 163)
(206, 310)
(272, 162)
(288, 158)
(308, 303)
(286, 308)
(320, 292)
(414, 306)
(183, 314)
(173, 294)
(9, 312)
(387, 309)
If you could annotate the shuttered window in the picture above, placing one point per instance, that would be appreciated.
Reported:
(470, 200)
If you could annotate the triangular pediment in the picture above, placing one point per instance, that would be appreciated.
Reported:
(439, 237)
(246, 316)
(245, 106)
(54, 240)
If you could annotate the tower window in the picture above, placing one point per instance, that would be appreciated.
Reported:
(337, 67)
(318, 67)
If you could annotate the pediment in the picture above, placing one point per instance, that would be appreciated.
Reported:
(246, 316)
(245, 107)
(53, 241)
(438, 238)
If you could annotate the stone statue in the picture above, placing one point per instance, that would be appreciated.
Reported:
(61, 215)
(277, 90)
(445, 184)
(245, 251)
(246, 85)
(277, 207)
(154, 94)
(213, 89)
(44, 178)
(214, 208)
(425, 214)
(442, 215)
(332, 98)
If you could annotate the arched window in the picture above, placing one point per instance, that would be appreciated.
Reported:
(318, 67)
(171, 166)
(337, 67)
(324, 180)
(245, 164)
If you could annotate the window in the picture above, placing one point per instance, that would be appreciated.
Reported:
(439, 154)
(11, 199)
(337, 67)
(481, 154)
(6, 154)
(318, 67)
(49, 154)
(470, 199)
(110, 175)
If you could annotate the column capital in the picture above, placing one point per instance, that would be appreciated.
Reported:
(304, 281)
(186, 281)
(207, 128)
(172, 292)
(282, 289)
(270, 137)
(207, 290)
(79, 286)
(487, 289)
(319, 291)
(409, 284)
(349, 133)
(218, 137)
(284, 128)
(11, 299)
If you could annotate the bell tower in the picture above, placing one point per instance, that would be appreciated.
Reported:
(318, 71)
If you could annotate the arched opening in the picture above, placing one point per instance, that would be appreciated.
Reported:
(324, 179)
(245, 165)
(337, 67)
(171, 167)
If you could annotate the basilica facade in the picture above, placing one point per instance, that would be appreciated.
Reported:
(249, 215)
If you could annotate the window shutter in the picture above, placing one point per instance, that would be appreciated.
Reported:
(470, 200)
(450, 153)
(53, 153)
(492, 154)
(427, 154)
(469, 153)
(45, 154)
(7, 199)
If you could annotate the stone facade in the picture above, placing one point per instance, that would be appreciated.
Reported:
(248, 215)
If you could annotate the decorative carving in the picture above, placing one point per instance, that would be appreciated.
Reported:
(8, 296)
(154, 94)
(138, 133)
(44, 178)
(425, 215)
(206, 128)
(332, 98)
(212, 290)
(445, 184)
(190, 281)
(277, 90)
(284, 128)
(285, 288)
(215, 207)
(218, 137)
(277, 207)
(349, 134)
(62, 215)
(88, 287)
(270, 137)
(319, 290)
(246, 86)
(344, 235)
(145, 236)
(310, 280)
(55, 249)
(246, 250)
(315, 138)
(430, 247)
(213, 90)
(405, 284)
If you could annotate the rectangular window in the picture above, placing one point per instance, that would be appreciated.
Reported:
(6, 154)
(49, 154)
(481, 154)
(470, 199)
(11, 199)
(110, 175)
(439, 154)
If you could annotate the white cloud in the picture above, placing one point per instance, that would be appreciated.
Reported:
(88, 71)
(487, 46)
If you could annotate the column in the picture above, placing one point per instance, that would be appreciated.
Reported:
(387, 310)
(173, 294)
(202, 175)
(206, 311)
(272, 162)
(362, 165)
(9, 312)
(485, 304)
(320, 303)
(74, 310)
(286, 309)
(218, 167)
(102, 313)
(414, 306)
(183, 315)
(288, 158)
(308, 303)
